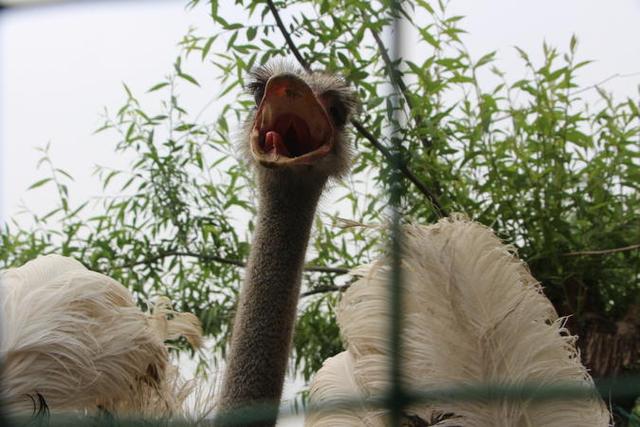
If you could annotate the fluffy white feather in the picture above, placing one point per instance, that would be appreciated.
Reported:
(339, 372)
(472, 315)
(77, 338)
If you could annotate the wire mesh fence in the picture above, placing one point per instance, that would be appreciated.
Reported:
(254, 414)
(398, 397)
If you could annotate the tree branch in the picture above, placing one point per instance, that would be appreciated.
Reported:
(603, 251)
(601, 82)
(440, 211)
(292, 47)
(397, 80)
(324, 290)
(221, 260)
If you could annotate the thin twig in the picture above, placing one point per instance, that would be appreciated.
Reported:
(608, 79)
(324, 290)
(292, 47)
(222, 260)
(440, 211)
(603, 251)
(397, 80)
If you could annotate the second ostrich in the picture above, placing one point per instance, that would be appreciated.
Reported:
(73, 340)
(472, 315)
(296, 140)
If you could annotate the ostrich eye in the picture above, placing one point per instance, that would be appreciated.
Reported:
(336, 108)
(258, 93)
(256, 88)
(338, 113)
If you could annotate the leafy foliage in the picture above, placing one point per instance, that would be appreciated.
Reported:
(553, 173)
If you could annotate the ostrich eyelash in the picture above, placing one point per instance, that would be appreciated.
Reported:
(258, 78)
(253, 86)
(256, 89)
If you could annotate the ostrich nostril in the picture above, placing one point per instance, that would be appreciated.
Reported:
(283, 89)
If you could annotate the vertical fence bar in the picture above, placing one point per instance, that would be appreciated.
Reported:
(396, 391)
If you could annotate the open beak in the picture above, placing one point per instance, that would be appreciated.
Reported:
(291, 126)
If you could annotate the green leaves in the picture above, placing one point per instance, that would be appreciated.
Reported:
(486, 59)
(39, 183)
(188, 78)
(157, 86)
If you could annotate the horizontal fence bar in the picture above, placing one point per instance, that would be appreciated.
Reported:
(487, 393)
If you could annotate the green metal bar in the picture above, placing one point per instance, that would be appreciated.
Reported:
(396, 398)
(624, 387)
(468, 393)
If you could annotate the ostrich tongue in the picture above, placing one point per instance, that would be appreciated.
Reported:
(273, 142)
(290, 137)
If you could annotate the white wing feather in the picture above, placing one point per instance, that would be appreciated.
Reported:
(472, 315)
(78, 339)
(336, 385)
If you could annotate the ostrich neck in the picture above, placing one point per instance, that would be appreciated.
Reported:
(266, 310)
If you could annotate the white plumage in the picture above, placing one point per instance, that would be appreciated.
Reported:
(77, 339)
(472, 314)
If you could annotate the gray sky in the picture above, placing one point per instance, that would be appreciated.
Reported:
(607, 31)
(59, 66)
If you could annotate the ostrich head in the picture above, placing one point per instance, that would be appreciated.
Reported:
(298, 125)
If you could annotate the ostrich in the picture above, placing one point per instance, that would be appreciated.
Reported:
(296, 139)
(470, 300)
(74, 340)
(473, 314)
